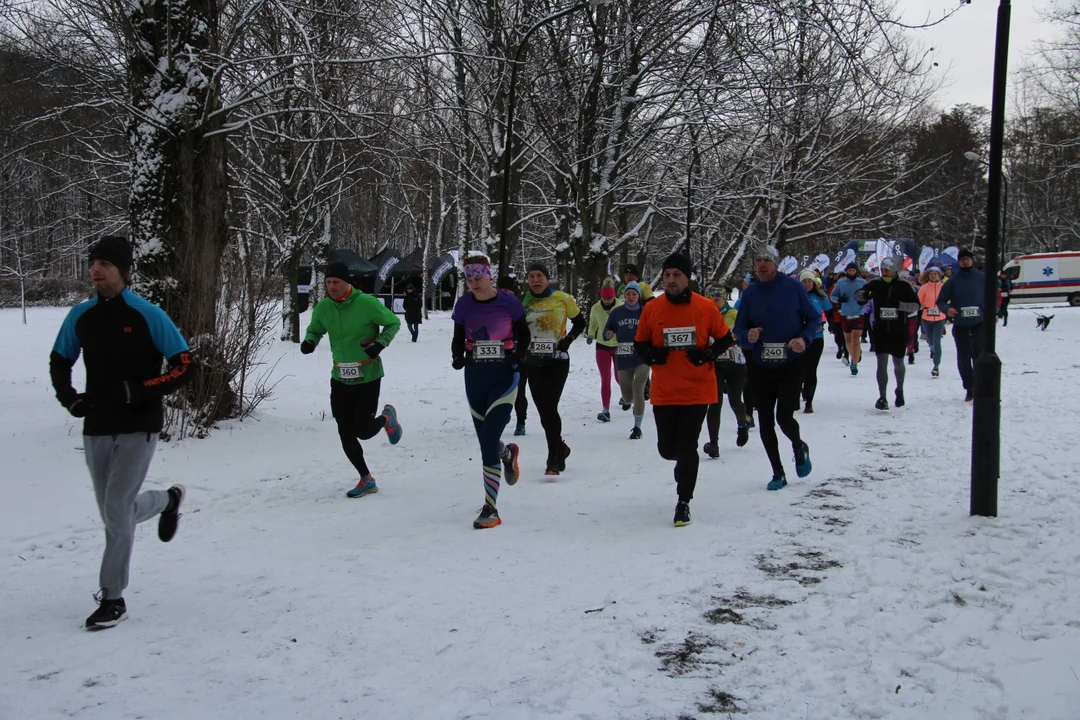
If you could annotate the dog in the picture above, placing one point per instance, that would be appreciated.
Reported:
(1043, 321)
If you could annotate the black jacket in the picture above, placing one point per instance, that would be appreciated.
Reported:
(896, 298)
(413, 308)
(123, 340)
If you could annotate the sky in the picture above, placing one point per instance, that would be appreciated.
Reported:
(964, 44)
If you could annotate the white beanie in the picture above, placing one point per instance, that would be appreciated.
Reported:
(807, 274)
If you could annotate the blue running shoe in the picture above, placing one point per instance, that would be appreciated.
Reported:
(854, 368)
(779, 481)
(803, 466)
(366, 486)
(520, 429)
(393, 427)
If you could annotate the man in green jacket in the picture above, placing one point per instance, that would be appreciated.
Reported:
(353, 320)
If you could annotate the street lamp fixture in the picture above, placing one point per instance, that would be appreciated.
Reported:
(511, 99)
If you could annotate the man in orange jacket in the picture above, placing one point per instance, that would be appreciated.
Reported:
(673, 337)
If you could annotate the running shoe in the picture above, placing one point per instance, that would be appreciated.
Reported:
(509, 457)
(393, 427)
(635, 434)
(742, 435)
(488, 518)
(170, 516)
(803, 466)
(682, 514)
(711, 449)
(366, 486)
(109, 613)
(778, 482)
(519, 431)
(604, 416)
(882, 404)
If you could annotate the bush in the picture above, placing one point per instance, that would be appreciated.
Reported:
(44, 292)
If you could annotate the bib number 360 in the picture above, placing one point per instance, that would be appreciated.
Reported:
(680, 337)
(350, 371)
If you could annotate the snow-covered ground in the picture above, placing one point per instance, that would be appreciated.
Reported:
(864, 591)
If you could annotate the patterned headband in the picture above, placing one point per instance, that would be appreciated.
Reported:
(477, 270)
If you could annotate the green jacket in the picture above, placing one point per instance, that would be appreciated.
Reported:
(350, 322)
(598, 317)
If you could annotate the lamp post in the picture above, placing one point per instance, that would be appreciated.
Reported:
(974, 157)
(986, 412)
(511, 99)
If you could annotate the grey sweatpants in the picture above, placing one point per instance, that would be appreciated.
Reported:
(632, 384)
(118, 466)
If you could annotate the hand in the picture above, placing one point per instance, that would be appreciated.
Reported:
(656, 356)
(797, 345)
(952, 312)
(373, 349)
(608, 335)
(698, 356)
(753, 335)
(564, 344)
(588, 341)
(80, 406)
(843, 298)
(459, 362)
(307, 347)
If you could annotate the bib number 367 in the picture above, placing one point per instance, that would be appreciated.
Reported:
(680, 337)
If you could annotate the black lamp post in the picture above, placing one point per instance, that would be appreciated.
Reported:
(986, 421)
(511, 100)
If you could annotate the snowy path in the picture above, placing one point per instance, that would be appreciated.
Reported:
(864, 591)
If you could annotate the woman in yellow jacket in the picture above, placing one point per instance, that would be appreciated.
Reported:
(605, 349)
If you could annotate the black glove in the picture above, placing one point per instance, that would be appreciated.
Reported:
(373, 349)
(459, 362)
(564, 344)
(80, 406)
(307, 347)
(699, 356)
(656, 356)
(842, 298)
(588, 341)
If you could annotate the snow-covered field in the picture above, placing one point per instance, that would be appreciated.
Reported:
(864, 591)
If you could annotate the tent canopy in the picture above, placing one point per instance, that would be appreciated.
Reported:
(410, 267)
(358, 266)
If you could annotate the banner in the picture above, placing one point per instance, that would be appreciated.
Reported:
(788, 265)
(951, 252)
(886, 248)
(872, 263)
(821, 263)
(925, 257)
(844, 260)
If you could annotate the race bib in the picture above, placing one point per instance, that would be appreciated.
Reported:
(888, 313)
(852, 317)
(733, 354)
(774, 352)
(933, 312)
(542, 347)
(1004, 294)
(680, 337)
(972, 311)
(488, 351)
(349, 371)
(624, 350)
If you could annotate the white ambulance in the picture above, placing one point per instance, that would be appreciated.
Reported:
(1045, 278)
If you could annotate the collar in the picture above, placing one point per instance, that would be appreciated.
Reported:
(682, 298)
(348, 294)
(546, 294)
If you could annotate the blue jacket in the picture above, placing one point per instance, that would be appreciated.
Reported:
(846, 288)
(783, 310)
(964, 290)
(623, 322)
(823, 305)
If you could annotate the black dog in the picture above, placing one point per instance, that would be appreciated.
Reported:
(1043, 321)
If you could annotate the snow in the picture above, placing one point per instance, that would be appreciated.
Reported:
(864, 591)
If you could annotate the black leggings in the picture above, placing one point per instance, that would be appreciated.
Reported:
(776, 397)
(546, 385)
(810, 365)
(354, 408)
(730, 381)
(677, 430)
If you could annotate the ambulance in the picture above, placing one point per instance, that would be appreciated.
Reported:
(1045, 278)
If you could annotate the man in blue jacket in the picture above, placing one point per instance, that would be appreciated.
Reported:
(775, 326)
(851, 317)
(962, 300)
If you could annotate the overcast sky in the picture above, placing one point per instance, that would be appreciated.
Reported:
(964, 44)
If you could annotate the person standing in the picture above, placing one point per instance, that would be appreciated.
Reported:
(933, 320)
(893, 299)
(414, 307)
(489, 332)
(851, 318)
(775, 326)
(961, 299)
(730, 367)
(673, 336)
(605, 348)
(360, 327)
(1005, 286)
(821, 301)
(123, 340)
(633, 373)
(547, 358)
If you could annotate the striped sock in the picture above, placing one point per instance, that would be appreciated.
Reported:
(492, 474)
(638, 419)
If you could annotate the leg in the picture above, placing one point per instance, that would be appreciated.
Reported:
(345, 406)
(787, 382)
(882, 372)
(521, 405)
(735, 375)
(763, 391)
(124, 506)
(667, 431)
(712, 415)
(962, 339)
(688, 423)
(366, 422)
(547, 385)
(491, 393)
(626, 385)
(603, 363)
(899, 370)
(641, 379)
(810, 366)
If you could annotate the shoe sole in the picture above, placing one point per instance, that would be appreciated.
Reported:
(393, 433)
(360, 495)
(163, 533)
(486, 526)
(106, 625)
(680, 523)
(512, 480)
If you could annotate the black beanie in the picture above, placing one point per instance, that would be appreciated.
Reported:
(539, 267)
(338, 270)
(114, 249)
(679, 262)
(632, 270)
(965, 253)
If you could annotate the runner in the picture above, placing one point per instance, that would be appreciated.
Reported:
(630, 274)
(962, 300)
(605, 349)
(1005, 286)
(489, 331)
(509, 284)
(673, 337)
(353, 319)
(547, 359)
(633, 373)
(821, 301)
(123, 340)
(892, 299)
(730, 367)
(933, 320)
(414, 306)
(851, 319)
(776, 324)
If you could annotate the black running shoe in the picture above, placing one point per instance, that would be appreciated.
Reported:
(109, 612)
(809, 407)
(565, 454)
(682, 514)
(882, 404)
(170, 516)
(743, 435)
(635, 434)
(711, 449)
(969, 396)
(899, 398)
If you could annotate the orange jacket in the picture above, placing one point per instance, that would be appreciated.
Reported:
(928, 295)
(679, 381)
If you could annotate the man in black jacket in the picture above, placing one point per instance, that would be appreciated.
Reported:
(123, 340)
(413, 311)
(893, 300)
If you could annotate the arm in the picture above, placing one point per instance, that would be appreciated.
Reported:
(834, 296)
(864, 294)
(609, 327)
(742, 327)
(811, 318)
(171, 344)
(522, 335)
(944, 297)
(386, 318)
(457, 347)
(317, 327)
(722, 336)
(65, 352)
(594, 324)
